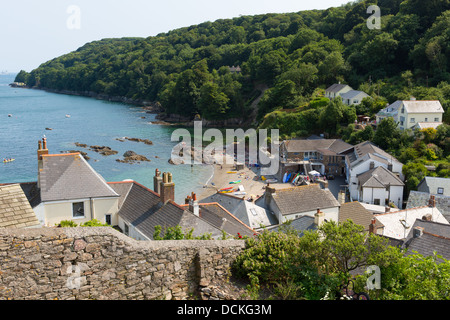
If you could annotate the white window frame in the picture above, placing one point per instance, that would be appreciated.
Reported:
(73, 210)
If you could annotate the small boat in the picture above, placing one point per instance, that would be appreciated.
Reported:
(67, 115)
(8, 160)
(225, 189)
(10, 115)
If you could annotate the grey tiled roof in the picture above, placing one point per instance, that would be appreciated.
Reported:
(15, 210)
(68, 177)
(303, 199)
(431, 185)
(429, 243)
(379, 177)
(336, 87)
(356, 212)
(301, 224)
(418, 199)
(335, 145)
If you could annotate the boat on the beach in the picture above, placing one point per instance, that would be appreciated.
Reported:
(235, 182)
(231, 171)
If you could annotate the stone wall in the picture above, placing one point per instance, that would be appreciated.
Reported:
(101, 263)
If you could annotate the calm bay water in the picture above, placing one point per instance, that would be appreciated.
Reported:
(92, 122)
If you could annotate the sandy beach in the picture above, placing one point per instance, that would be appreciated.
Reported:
(250, 181)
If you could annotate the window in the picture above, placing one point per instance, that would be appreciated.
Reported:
(412, 120)
(403, 110)
(426, 119)
(127, 229)
(78, 210)
(108, 219)
(436, 119)
(440, 190)
(376, 201)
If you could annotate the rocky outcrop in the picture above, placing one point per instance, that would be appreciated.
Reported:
(103, 150)
(132, 157)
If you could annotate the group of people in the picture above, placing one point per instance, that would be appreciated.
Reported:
(7, 159)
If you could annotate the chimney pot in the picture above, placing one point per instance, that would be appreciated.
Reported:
(319, 218)
(372, 228)
(167, 188)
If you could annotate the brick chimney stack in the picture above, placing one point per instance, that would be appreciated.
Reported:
(167, 188)
(42, 150)
(194, 207)
(372, 228)
(432, 201)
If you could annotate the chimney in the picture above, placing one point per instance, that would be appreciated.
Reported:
(372, 228)
(319, 218)
(390, 166)
(194, 207)
(42, 150)
(417, 232)
(167, 188)
(432, 201)
(157, 179)
(372, 165)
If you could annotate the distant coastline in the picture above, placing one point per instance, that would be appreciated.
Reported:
(149, 106)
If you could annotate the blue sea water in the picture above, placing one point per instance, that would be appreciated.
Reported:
(92, 122)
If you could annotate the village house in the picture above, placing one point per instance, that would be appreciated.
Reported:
(321, 155)
(292, 203)
(336, 90)
(348, 95)
(70, 189)
(398, 224)
(413, 114)
(353, 97)
(360, 161)
(142, 209)
(380, 186)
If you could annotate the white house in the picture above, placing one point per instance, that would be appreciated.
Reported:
(353, 97)
(292, 203)
(399, 224)
(411, 114)
(364, 157)
(379, 186)
(336, 90)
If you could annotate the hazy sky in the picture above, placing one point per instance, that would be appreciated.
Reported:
(35, 31)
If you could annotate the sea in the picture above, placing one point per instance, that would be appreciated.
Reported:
(27, 115)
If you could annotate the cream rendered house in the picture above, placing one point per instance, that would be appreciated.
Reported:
(411, 114)
(70, 189)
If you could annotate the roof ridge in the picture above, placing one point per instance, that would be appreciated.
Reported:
(435, 235)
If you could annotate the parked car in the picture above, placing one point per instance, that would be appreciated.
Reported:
(330, 177)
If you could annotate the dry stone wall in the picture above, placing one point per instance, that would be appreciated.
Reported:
(101, 263)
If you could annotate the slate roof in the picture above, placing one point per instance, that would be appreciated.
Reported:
(353, 93)
(356, 212)
(379, 177)
(418, 199)
(431, 185)
(398, 224)
(15, 210)
(69, 177)
(303, 198)
(142, 208)
(336, 87)
(423, 106)
(367, 149)
(219, 217)
(250, 213)
(334, 145)
(301, 224)
(435, 238)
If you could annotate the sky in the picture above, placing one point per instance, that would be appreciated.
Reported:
(35, 31)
